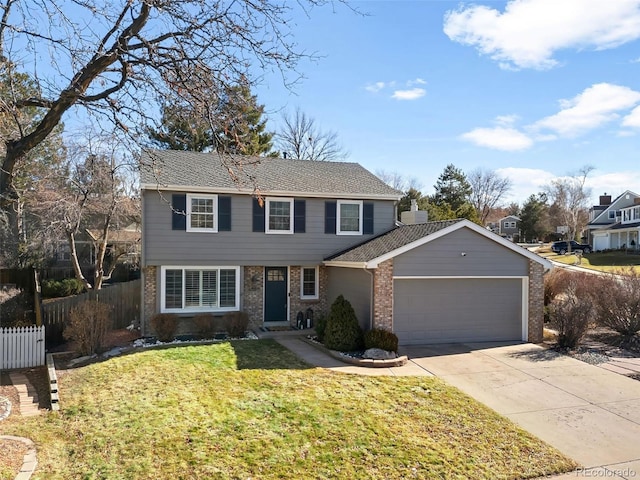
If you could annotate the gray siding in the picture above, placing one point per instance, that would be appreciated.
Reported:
(442, 257)
(355, 285)
(242, 246)
(457, 310)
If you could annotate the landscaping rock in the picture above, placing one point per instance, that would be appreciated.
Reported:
(378, 354)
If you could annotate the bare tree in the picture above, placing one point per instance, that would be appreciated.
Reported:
(92, 194)
(487, 189)
(569, 198)
(398, 181)
(116, 60)
(300, 137)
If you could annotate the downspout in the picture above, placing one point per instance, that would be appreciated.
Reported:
(371, 298)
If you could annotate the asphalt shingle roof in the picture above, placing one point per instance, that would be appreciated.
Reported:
(619, 226)
(389, 241)
(167, 168)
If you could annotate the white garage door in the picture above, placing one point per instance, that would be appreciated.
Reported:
(600, 242)
(457, 310)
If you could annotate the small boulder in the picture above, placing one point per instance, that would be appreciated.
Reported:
(378, 354)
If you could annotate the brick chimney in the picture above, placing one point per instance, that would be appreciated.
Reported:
(605, 200)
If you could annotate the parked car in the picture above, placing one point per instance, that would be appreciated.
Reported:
(563, 247)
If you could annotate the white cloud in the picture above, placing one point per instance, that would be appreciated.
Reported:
(527, 181)
(592, 108)
(499, 138)
(529, 32)
(412, 94)
(506, 120)
(633, 119)
(375, 87)
(417, 81)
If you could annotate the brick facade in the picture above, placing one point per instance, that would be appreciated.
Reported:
(536, 302)
(150, 297)
(252, 295)
(297, 304)
(383, 296)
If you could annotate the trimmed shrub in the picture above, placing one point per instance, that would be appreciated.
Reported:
(342, 332)
(205, 324)
(236, 324)
(321, 326)
(61, 288)
(380, 338)
(618, 307)
(165, 326)
(89, 323)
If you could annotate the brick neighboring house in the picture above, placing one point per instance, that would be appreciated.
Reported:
(324, 229)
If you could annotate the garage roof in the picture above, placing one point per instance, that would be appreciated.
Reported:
(407, 237)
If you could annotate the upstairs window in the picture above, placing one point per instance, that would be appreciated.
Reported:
(202, 213)
(279, 218)
(349, 218)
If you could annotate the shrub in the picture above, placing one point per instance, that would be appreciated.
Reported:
(165, 326)
(236, 323)
(89, 323)
(618, 306)
(321, 326)
(342, 332)
(205, 324)
(571, 316)
(379, 338)
(61, 288)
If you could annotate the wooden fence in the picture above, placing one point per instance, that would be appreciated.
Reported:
(123, 298)
(21, 347)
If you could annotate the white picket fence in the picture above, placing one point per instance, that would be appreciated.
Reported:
(21, 347)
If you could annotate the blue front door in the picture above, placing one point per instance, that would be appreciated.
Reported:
(275, 294)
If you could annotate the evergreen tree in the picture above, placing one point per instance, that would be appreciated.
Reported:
(534, 217)
(231, 122)
(451, 197)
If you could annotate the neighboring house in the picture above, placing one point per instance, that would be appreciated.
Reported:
(123, 247)
(615, 224)
(324, 229)
(509, 227)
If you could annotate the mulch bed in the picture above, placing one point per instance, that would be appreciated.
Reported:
(13, 453)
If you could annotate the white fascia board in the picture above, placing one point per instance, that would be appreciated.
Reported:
(452, 228)
(265, 193)
(331, 263)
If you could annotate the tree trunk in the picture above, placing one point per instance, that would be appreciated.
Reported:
(74, 260)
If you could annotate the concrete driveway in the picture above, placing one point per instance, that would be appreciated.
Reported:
(588, 413)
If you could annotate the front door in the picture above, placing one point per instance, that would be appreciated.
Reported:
(275, 294)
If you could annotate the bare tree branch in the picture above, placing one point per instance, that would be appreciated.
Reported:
(301, 138)
(487, 190)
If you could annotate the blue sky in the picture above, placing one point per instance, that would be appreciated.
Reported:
(535, 89)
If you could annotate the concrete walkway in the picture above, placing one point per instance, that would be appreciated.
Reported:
(590, 414)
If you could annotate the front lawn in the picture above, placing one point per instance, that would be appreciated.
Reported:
(251, 409)
(604, 262)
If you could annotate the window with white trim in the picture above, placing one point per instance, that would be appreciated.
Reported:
(202, 213)
(200, 289)
(349, 217)
(309, 283)
(279, 217)
(612, 214)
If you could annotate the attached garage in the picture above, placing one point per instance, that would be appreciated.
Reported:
(445, 282)
(451, 310)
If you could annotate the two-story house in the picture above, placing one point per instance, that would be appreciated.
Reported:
(509, 227)
(615, 224)
(299, 233)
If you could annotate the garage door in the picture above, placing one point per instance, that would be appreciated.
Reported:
(457, 310)
(600, 242)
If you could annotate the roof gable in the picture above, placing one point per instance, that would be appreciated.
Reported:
(212, 172)
(403, 239)
(619, 202)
